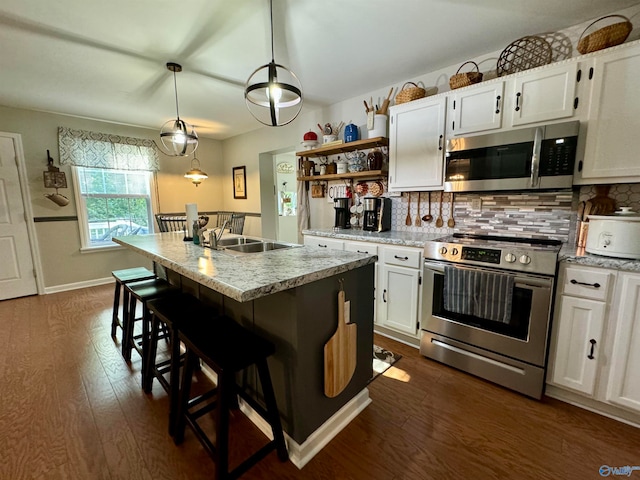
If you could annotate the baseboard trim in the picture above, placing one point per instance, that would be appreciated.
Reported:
(75, 286)
(594, 406)
(300, 455)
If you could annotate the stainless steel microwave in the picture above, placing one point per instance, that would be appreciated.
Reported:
(525, 159)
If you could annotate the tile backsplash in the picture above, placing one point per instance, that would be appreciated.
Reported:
(529, 214)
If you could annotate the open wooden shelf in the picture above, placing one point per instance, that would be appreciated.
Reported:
(345, 147)
(345, 176)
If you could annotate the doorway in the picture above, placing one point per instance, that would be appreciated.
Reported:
(278, 196)
(18, 255)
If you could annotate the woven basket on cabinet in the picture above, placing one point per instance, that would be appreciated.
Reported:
(605, 37)
(465, 79)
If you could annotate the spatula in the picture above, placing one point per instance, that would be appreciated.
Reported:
(439, 221)
(428, 217)
(418, 219)
(408, 221)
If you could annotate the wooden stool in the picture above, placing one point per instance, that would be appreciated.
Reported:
(123, 277)
(142, 292)
(227, 348)
(169, 313)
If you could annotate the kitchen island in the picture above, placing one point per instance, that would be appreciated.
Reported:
(290, 297)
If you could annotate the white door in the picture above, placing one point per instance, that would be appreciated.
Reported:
(544, 95)
(477, 109)
(17, 277)
(416, 150)
(399, 298)
(624, 381)
(578, 345)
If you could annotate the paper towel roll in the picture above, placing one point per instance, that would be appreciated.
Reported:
(192, 216)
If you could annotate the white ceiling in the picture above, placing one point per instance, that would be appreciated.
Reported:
(106, 59)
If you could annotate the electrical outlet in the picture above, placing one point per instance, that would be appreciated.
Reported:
(476, 204)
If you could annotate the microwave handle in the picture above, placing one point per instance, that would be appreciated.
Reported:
(535, 158)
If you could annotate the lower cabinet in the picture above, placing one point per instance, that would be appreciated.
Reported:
(595, 346)
(624, 377)
(400, 274)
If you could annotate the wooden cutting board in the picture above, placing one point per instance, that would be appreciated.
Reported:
(340, 352)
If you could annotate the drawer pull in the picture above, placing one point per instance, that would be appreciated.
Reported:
(322, 246)
(404, 259)
(576, 282)
(593, 346)
(360, 251)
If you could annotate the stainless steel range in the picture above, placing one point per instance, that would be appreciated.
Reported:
(486, 307)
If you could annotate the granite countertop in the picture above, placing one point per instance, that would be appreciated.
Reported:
(244, 277)
(391, 237)
(568, 253)
(572, 254)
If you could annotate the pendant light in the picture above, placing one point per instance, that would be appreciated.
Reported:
(178, 138)
(273, 93)
(195, 174)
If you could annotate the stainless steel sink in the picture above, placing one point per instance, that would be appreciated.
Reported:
(259, 247)
(230, 241)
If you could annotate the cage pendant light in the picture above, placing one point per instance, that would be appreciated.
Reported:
(273, 92)
(178, 138)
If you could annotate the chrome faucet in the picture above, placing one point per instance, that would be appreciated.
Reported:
(215, 238)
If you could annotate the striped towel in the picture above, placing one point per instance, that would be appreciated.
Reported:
(481, 294)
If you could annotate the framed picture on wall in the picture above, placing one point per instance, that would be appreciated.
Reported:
(240, 182)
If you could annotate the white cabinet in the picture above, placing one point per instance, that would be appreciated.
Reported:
(614, 118)
(577, 347)
(477, 109)
(400, 272)
(537, 96)
(624, 377)
(543, 95)
(416, 145)
(579, 342)
(324, 242)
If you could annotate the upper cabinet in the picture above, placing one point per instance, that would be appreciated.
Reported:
(416, 145)
(612, 142)
(537, 96)
(544, 95)
(477, 109)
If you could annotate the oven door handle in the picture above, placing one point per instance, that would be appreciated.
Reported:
(525, 282)
(535, 158)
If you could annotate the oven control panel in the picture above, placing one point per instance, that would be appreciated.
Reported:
(486, 255)
(513, 258)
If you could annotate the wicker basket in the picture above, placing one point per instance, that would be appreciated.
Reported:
(605, 37)
(408, 94)
(465, 79)
(522, 54)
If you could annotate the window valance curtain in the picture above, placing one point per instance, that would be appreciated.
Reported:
(101, 150)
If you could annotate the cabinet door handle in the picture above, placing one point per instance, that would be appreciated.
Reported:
(518, 101)
(440, 142)
(576, 282)
(498, 104)
(593, 346)
(322, 246)
(404, 259)
(384, 295)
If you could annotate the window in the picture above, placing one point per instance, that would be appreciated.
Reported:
(114, 180)
(113, 203)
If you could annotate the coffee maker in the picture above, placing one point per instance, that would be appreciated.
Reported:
(377, 214)
(341, 206)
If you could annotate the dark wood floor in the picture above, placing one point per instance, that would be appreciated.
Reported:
(71, 408)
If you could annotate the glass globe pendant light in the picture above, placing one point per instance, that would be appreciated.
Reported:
(195, 174)
(178, 138)
(273, 92)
